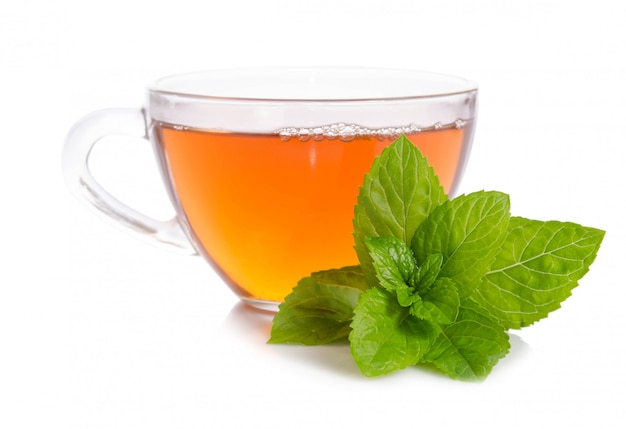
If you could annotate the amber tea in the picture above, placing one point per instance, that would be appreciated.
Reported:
(269, 209)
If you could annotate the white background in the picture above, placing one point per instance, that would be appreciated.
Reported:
(99, 330)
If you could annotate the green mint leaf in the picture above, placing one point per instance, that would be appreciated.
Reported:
(536, 269)
(393, 261)
(399, 192)
(469, 348)
(467, 231)
(407, 296)
(385, 337)
(319, 309)
(440, 304)
(427, 273)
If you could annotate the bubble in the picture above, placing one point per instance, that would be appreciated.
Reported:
(349, 132)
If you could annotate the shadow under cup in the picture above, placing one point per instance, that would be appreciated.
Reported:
(264, 165)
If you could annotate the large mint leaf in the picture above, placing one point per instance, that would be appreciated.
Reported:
(319, 309)
(399, 192)
(385, 337)
(539, 265)
(467, 231)
(469, 348)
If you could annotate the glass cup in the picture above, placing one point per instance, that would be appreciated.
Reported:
(263, 166)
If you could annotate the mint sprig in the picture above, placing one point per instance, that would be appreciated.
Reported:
(439, 281)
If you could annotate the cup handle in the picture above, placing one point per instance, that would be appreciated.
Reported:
(78, 145)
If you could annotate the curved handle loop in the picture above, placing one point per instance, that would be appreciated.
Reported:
(78, 178)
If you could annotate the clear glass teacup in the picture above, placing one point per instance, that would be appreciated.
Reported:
(263, 166)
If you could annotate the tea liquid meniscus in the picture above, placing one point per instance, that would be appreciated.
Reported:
(269, 209)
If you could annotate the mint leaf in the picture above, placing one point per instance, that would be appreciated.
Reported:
(467, 231)
(319, 309)
(440, 304)
(536, 269)
(427, 273)
(399, 192)
(393, 261)
(385, 337)
(469, 348)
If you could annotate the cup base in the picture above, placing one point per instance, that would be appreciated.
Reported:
(271, 306)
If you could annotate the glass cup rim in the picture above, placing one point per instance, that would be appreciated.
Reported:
(211, 84)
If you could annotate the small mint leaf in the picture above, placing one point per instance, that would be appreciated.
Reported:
(536, 269)
(319, 309)
(393, 261)
(407, 296)
(385, 337)
(399, 192)
(440, 304)
(427, 273)
(467, 231)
